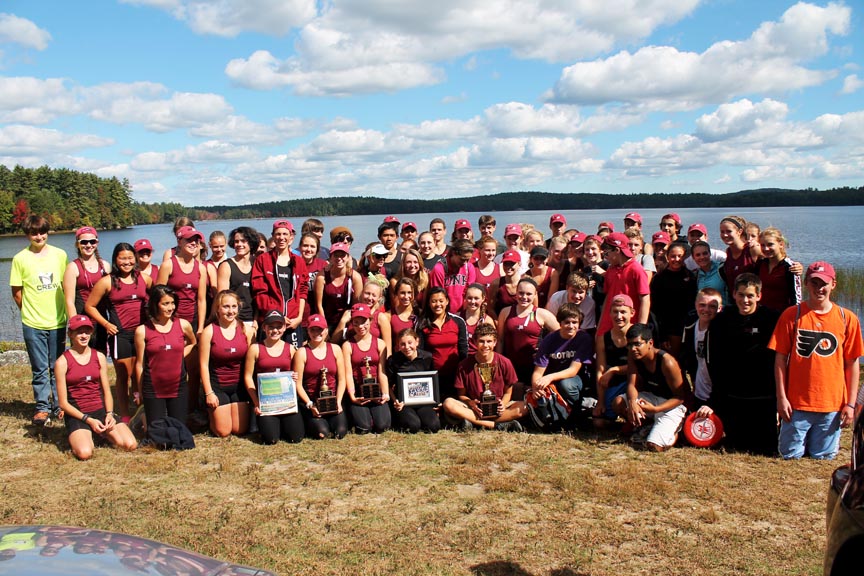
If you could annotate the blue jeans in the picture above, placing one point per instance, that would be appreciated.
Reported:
(817, 432)
(43, 349)
(571, 390)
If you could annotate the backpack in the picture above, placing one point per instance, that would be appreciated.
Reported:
(549, 412)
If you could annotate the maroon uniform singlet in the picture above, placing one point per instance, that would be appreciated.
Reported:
(337, 299)
(226, 359)
(164, 369)
(521, 336)
(84, 283)
(488, 280)
(267, 363)
(312, 371)
(128, 302)
(735, 266)
(397, 325)
(543, 288)
(186, 287)
(358, 361)
(504, 298)
(83, 384)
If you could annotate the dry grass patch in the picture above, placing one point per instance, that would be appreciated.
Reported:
(476, 503)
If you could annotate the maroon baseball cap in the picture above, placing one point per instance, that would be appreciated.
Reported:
(80, 321)
(391, 220)
(557, 218)
(660, 237)
(618, 240)
(821, 270)
(697, 228)
(460, 224)
(622, 300)
(512, 229)
(608, 225)
(511, 256)
(578, 238)
(409, 225)
(143, 244)
(360, 310)
(674, 216)
(317, 321)
(85, 230)
(634, 216)
(283, 224)
(188, 232)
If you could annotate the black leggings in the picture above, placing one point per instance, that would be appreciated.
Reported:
(288, 427)
(413, 419)
(158, 408)
(370, 418)
(335, 424)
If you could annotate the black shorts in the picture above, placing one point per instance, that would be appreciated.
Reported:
(122, 345)
(238, 394)
(73, 424)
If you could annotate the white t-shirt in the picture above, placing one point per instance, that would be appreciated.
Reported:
(589, 319)
(702, 385)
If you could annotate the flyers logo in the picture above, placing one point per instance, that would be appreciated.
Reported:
(810, 341)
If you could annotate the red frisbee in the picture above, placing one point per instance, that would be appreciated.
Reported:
(703, 432)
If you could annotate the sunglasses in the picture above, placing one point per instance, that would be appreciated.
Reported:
(88, 242)
(348, 238)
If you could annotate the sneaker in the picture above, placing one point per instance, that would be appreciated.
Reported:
(40, 418)
(59, 414)
(465, 426)
(511, 426)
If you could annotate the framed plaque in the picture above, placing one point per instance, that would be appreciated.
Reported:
(418, 388)
(277, 393)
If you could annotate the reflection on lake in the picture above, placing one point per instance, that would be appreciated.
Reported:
(813, 234)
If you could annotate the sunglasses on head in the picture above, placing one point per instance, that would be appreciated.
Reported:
(88, 242)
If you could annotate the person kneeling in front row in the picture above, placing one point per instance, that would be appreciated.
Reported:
(655, 390)
(470, 386)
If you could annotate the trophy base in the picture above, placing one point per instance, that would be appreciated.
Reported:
(489, 409)
(327, 405)
(370, 390)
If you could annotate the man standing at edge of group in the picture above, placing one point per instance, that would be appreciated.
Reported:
(36, 282)
(818, 344)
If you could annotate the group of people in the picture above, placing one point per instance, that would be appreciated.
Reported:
(552, 330)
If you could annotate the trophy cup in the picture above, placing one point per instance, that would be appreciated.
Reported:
(488, 401)
(370, 389)
(326, 402)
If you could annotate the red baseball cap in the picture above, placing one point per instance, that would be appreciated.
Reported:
(85, 230)
(578, 238)
(622, 300)
(339, 247)
(391, 220)
(80, 321)
(511, 256)
(360, 310)
(618, 240)
(697, 228)
(283, 224)
(634, 216)
(317, 321)
(512, 229)
(409, 225)
(821, 270)
(660, 237)
(143, 244)
(188, 232)
(608, 225)
(460, 224)
(559, 218)
(674, 216)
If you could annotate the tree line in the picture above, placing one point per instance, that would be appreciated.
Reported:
(69, 199)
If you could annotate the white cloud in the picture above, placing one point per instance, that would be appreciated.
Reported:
(17, 140)
(232, 17)
(370, 46)
(34, 101)
(461, 97)
(723, 179)
(181, 110)
(770, 61)
(16, 30)
(851, 84)
(737, 118)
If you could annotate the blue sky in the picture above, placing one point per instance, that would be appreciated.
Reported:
(242, 101)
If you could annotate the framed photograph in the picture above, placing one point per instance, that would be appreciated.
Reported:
(418, 388)
(277, 393)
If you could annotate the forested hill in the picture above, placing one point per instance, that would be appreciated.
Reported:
(342, 206)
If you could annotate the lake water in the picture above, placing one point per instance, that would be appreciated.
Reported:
(813, 234)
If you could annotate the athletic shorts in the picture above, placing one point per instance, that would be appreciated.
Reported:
(122, 345)
(239, 394)
(73, 424)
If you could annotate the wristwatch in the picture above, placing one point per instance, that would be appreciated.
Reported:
(310, 404)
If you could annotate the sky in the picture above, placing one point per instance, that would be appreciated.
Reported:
(231, 102)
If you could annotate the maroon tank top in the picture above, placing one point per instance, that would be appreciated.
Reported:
(358, 361)
(84, 283)
(521, 336)
(128, 302)
(543, 288)
(83, 384)
(504, 298)
(267, 363)
(488, 280)
(312, 371)
(735, 266)
(337, 299)
(186, 287)
(226, 359)
(397, 324)
(164, 369)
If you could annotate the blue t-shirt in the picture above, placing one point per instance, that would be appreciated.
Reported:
(556, 353)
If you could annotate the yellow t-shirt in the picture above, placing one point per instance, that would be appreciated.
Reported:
(41, 278)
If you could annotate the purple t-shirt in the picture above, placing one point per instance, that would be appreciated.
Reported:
(556, 353)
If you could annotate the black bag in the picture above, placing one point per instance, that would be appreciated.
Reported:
(170, 434)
